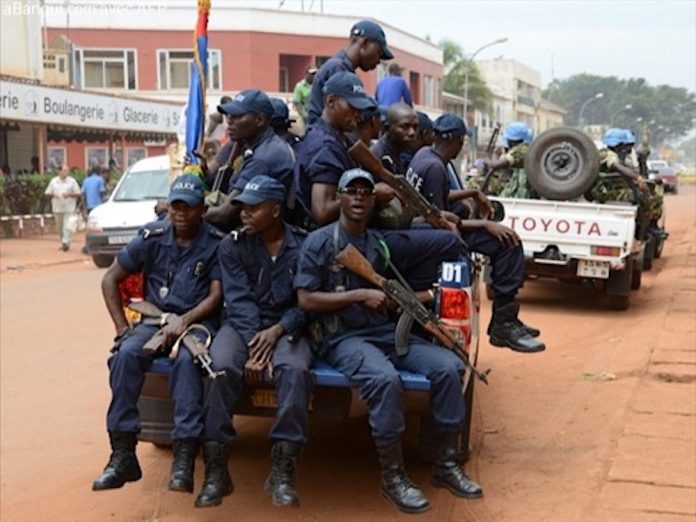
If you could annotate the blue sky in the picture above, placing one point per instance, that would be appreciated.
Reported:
(653, 39)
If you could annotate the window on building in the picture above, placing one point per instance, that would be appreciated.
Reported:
(106, 68)
(283, 82)
(56, 158)
(429, 94)
(96, 157)
(174, 66)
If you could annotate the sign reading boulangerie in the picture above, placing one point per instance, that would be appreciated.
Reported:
(25, 102)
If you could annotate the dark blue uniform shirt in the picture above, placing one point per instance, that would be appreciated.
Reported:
(315, 105)
(318, 272)
(391, 161)
(177, 279)
(259, 291)
(321, 158)
(427, 173)
(270, 156)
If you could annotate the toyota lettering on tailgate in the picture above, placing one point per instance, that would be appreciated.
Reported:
(560, 226)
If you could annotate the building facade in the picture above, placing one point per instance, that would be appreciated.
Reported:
(146, 52)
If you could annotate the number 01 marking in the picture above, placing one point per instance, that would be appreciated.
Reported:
(452, 272)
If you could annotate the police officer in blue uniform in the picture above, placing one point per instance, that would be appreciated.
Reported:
(281, 123)
(428, 174)
(321, 159)
(178, 259)
(398, 137)
(368, 127)
(249, 117)
(424, 138)
(263, 325)
(358, 339)
(367, 47)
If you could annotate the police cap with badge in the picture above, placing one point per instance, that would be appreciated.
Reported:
(261, 188)
(348, 86)
(450, 126)
(189, 189)
(372, 31)
(248, 100)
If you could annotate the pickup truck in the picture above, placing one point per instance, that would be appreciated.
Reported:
(580, 241)
(570, 238)
(335, 397)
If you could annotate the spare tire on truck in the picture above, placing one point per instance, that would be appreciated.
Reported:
(562, 163)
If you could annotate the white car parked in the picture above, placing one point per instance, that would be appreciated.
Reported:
(131, 205)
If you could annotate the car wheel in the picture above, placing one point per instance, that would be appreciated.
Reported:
(618, 302)
(102, 260)
(562, 163)
(636, 278)
(658, 248)
(465, 440)
(649, 253)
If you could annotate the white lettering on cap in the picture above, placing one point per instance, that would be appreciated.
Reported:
(358, 88)
(185, 185)
(252, 186)
(239, 98)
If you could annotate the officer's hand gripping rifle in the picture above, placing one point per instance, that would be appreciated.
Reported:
(408, 195)
(155, 345)
(351, 258)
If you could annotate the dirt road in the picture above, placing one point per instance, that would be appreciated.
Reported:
(601, 426)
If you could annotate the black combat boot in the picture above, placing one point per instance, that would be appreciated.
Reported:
(395, 485)
(281, 480)
(217, 482)
(448, 473)
(507, 330)
(534, 332)
(181, 477)
(123, 464)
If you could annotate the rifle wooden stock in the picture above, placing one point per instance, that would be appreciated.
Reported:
(408, 195)
(491, 142)
(351, 258)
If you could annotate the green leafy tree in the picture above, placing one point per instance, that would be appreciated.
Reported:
(631, 103)
(456, 67)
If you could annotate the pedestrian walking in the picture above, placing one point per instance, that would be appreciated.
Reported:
(64, 192)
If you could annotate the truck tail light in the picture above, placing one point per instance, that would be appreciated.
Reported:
(132, 289)
(454, 304)
(605, 251)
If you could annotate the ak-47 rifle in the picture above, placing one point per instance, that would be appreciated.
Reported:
(155, 345)
(351, 258)
(409, 196)
(488, 173)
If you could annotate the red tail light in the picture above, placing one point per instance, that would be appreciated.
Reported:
(454, 304)
(605, 251)
(132, 289)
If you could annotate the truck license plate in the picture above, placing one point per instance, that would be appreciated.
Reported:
(594, 269)
(119, 240)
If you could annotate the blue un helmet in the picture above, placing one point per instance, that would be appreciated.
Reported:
(613, 137)
(529, 138)
(516, 131)
(629, 138)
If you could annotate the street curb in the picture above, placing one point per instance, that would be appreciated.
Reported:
(34, 266)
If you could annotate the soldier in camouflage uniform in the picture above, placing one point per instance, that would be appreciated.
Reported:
(610, 162)
(517, 138)
(655, 200)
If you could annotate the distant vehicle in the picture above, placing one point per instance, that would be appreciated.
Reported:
(113, 224)
(669, 178)
(657, 164)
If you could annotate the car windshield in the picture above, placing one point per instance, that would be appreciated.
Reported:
(144, 184)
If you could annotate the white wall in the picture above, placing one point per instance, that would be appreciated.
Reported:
(21, 51)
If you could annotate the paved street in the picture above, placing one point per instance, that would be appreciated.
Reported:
(600, 427)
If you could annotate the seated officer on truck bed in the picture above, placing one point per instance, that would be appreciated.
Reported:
(358, 339)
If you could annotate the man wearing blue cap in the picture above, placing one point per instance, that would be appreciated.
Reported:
(323, 155)
(281, 122)
(263, 330)
(249, 117)
(367, 47)
(517, 138)
(179, 263)
(358, 339)
(428, 174)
